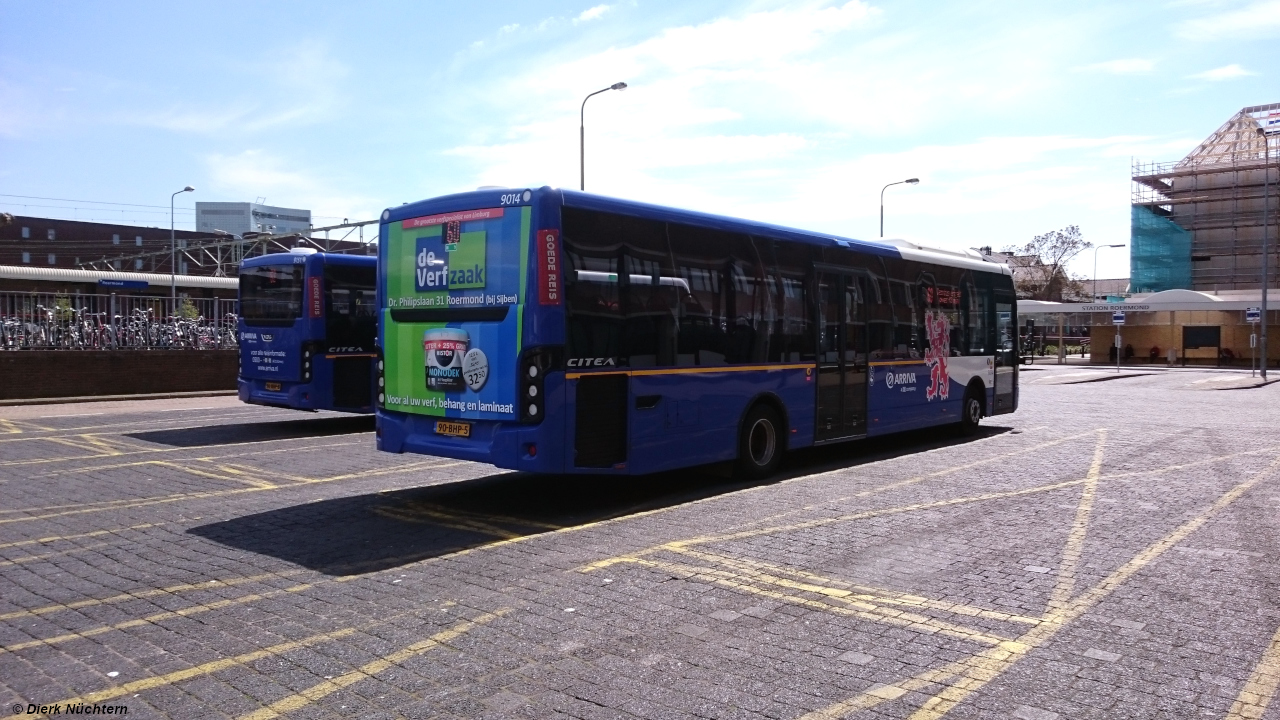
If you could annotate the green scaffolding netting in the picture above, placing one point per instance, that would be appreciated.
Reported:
(1160, 253)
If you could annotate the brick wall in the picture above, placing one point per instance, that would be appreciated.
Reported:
(71, 373)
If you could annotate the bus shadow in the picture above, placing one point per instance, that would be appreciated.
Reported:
(380, 531)
(257, 432)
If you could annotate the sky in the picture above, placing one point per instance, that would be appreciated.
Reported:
(1018, 118)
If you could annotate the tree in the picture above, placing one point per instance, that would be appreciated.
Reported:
(1040, 266)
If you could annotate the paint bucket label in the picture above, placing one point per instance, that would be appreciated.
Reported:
(443, 350)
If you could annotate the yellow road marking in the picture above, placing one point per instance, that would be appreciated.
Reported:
(207, 458)
(1079, 528)
(841, 606)
(152, 619)
(1261, 687)
(177, 497)
(153, 592)
(858, 592)
(46, 556)
(148, 425)
(820, 522)
(974, 673)
(368, 670)
(205, 669)
(41, 461)
(9, 427)
(95, 533)
(912, 480)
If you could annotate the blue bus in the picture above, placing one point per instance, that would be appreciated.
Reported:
(554, 331)
(307, 331)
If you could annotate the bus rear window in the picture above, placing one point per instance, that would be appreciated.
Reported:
(271, 292)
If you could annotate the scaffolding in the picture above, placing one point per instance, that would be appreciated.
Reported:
(1197, 222)
(220, 256)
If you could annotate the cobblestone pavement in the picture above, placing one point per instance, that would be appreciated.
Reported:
(1110, 551)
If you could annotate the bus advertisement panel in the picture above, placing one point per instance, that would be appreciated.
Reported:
(453, 310)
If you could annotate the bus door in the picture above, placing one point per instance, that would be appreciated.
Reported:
(842, 357)
(1006, 352)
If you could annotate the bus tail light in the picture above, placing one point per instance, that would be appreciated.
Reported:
(380, 365)
(308, 360)
(535, 363)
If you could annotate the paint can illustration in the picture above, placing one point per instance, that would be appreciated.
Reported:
(443, 350)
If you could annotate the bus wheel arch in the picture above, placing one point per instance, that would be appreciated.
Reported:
(762, 437)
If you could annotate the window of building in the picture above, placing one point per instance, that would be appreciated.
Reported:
(137, 264)
(52, 258)
(26, 257)
(115, 239)
(138, 241)
(53, 234)
(26, 232)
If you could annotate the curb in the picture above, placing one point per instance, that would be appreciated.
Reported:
(107, 398)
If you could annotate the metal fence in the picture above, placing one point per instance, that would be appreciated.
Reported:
(46, 321)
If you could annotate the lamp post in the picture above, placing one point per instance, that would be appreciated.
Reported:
(1094, 292)
(909, 181)
(582, 133)
(1266, 206)
(173, 280)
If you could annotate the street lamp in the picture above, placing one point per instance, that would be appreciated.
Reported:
(582, 134)
(1266, 206)
(173, 244)
(1095, 268)
(910, 181)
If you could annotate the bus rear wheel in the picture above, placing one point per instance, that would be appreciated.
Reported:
(760, 444)
(970, 412)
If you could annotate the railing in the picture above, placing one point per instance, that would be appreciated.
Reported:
(43, 321)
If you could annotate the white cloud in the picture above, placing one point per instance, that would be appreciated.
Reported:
(255, 173)
(1258, 19)
(592, 13)
(1227, 72)
(1128, 66)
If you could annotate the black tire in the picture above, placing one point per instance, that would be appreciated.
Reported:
(970, 411)
(761, 442)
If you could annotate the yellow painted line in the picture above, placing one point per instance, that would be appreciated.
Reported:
(693, 370)
(147, 593)
(1260, 689)
(831, 602)
(897, 362)
(207, 458)
(975, 672)
(95, 533)
(9, 427)
(821, 522)
(1079, 528)
(152, 619)
(178, 497)
(42, 461)
(909, 481)
(148, 425)
(368, 670)
(46, 556)
(858, 592)
(444, 520)
(988, 665)
(205, 669)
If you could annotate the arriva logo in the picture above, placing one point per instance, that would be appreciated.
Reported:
(904, 378)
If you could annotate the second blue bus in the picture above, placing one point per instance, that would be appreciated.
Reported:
(307, 331)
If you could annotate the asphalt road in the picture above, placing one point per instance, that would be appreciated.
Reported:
(1109, 551)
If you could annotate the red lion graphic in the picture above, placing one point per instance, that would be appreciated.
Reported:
(938, 328)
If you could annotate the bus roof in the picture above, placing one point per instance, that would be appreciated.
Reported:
(491, 197)
(287, 258)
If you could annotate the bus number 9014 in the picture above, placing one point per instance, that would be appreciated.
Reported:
(515, 198)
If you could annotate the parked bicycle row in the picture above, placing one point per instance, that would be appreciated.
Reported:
(30, 321)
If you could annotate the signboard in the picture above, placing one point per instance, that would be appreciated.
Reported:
(1253, 315)
(1117, 317)
(127, 284)
(451, 324)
